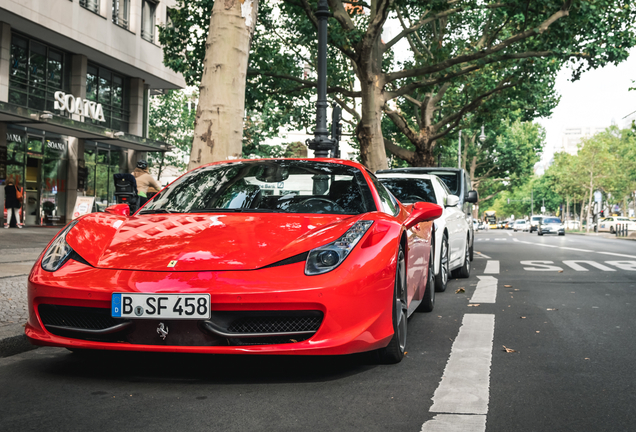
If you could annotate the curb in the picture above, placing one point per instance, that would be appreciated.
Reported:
(13, 340)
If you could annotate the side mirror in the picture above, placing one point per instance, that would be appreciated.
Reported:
(119, 209)
(452, 200)
(472, 196)
(423, 212)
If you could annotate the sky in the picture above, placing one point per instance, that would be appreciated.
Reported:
(599, 98)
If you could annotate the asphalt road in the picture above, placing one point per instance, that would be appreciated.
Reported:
(571, 369)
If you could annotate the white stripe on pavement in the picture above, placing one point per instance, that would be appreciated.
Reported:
(575, 249)
(465, 385)
(617, 254)
(492, 267)
(486, 290)
(455, 423)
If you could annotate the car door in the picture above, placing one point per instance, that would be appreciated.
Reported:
(453, 217)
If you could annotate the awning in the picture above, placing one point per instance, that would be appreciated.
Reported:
(54, 123)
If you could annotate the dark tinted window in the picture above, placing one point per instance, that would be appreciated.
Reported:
(410, 190)
(276, 186)
(450, 179)
(551, 221)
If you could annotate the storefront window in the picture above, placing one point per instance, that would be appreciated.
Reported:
(105, 87)
(101, 164)
(53, 197)
(37, 72)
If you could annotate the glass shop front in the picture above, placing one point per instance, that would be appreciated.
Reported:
(37, 162)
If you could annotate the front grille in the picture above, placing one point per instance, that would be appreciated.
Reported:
(275, 324)
(274, 340)
(77, 317)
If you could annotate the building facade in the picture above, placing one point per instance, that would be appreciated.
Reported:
(75, 78)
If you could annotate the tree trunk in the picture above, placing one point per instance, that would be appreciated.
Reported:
(369, 130)
(218, 129)
(589, 203)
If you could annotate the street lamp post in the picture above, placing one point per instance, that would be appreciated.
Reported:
(459, 150)
(321, 144)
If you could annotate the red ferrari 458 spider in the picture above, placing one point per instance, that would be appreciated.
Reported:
(272, 256)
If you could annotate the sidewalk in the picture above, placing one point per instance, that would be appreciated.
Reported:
(631, 236)
(19, 249)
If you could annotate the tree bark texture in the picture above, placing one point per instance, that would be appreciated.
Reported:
(218, 129)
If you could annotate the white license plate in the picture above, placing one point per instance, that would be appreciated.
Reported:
(160, 306)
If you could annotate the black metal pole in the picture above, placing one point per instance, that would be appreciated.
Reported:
(322, 144)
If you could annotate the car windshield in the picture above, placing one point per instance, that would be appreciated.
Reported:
(536, 218)
(276, 186)
(551, 221)
(410, 190)
(450, 179)
(520, 222)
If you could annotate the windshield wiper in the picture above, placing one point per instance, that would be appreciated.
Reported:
(149, 211)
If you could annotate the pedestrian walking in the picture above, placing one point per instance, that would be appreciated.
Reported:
(144, 181)
(13, 196)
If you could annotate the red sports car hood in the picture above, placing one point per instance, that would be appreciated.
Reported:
(200, 242)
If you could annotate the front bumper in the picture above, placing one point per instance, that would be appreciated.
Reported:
(340, 312)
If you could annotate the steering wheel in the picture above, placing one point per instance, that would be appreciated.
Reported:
(327, 201)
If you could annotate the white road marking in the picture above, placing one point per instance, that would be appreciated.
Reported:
(575, 249)
(575, 266)
(540, 266)
(486, 290)
(617, 254)
(455, 423)
(501, 239)
(465, 385)
(509, 233)
(492, 267)
(624, 265)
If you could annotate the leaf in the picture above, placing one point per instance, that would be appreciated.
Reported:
(473, 305)
(508, 350)
(522, 317)
(551, 309)
(507, 286)
(460, 290)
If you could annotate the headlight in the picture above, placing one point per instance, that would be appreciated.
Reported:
(59, 251)
(328, 257)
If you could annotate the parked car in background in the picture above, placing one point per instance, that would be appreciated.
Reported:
(551, 225)
(458, 183)
(572, 224)
(534, 222)
(520, 225)
(452, 233)
(609, 223)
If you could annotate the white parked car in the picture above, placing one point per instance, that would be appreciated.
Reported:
(452, 232)
(521, 225)
(609, 223)
(534, 223)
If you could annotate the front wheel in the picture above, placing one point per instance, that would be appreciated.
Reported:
(441, 279)
(464, 270)
(394, 351)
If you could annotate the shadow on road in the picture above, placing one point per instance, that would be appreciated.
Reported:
(204, 368)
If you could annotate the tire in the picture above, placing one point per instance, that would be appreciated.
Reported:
(561, 234)
(472, 250)
(464, 271)
(394, 351)
(428, 302)
(611, 230)
(441, 280)
(539, 233)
